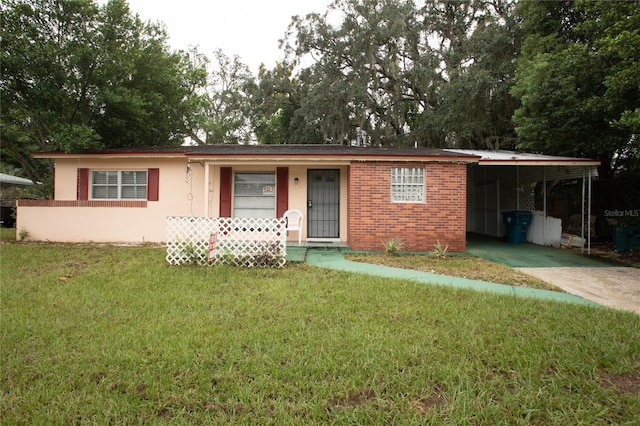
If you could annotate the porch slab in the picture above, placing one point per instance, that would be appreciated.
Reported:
(296, 254)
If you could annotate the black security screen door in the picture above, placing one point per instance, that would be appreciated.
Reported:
(323, 204)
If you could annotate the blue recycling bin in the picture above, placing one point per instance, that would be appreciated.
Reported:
(517, 222)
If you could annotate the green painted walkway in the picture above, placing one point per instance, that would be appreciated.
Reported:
(333, 259)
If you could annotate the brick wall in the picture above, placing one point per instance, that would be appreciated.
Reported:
(373, 218)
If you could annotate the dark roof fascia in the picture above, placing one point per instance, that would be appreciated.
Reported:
(125, 152)
(274, 151)
(326, 152)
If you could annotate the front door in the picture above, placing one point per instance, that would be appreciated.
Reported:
(323, 203)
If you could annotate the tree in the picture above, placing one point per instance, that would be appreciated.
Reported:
(476, 43)
(364, 77)
(578, 82)
(78, 76)
(226, 102)
(436, 74)
(274, 100)
(612, 32)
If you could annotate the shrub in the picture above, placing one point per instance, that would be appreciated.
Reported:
(393, 246)
(23, 234)
(439, 250)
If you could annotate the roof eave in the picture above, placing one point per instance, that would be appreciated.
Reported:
(330, 158)
(262, 157)
(557, 162)
(107, 154)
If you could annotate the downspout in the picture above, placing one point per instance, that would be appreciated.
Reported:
(582, 208)
(589, 232)
(498, 206)
(206, 190)
(544, 213)
(484, 203)
(544, 202)
(517, 187)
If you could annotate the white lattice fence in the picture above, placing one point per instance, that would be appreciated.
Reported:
(527, 196)
(250, 242)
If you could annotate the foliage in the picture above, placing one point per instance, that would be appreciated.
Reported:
(111, 335)
(577, 80)
(194, 253)
(439, 250)
(257, 254)
(393, 246)
(23, 234)
(76, 75)
(7, 235)
(275, 98)
(226, 102)
(270, 256)
(436, 73)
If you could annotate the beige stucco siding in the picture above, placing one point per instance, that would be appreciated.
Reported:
(181, 193)
(177, 197)
(93, 224)
(174, 188)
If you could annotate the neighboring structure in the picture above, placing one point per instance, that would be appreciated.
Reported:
(359, 197)
(8, 186)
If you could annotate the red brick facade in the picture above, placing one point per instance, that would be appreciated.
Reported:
(373, 218)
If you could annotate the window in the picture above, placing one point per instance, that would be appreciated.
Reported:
(254, 195)
(407, 185)
(119, 185)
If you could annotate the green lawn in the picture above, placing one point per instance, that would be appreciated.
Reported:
(99, 335)
(7, 234)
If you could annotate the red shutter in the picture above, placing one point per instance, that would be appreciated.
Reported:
(83, 185)
(153, 184)
(226, 181)
(282, 190)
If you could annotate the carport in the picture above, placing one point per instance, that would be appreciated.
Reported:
(505, 180)
(8, 186)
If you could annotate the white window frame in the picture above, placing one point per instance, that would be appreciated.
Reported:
(408, 185)
(271, 194)
(119, 184)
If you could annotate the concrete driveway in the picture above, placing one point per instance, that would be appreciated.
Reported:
(615, 287)
(605, 283)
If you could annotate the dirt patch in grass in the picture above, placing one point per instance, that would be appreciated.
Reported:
(354, 399)
(423, 405)
(625, 383)
(456, 266)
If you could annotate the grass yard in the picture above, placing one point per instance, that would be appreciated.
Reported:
(7, 234)
(456, 265)
(100, 335)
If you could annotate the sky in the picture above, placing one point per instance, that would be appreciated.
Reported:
(247, 28)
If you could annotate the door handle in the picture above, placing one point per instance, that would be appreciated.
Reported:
(309, 203)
